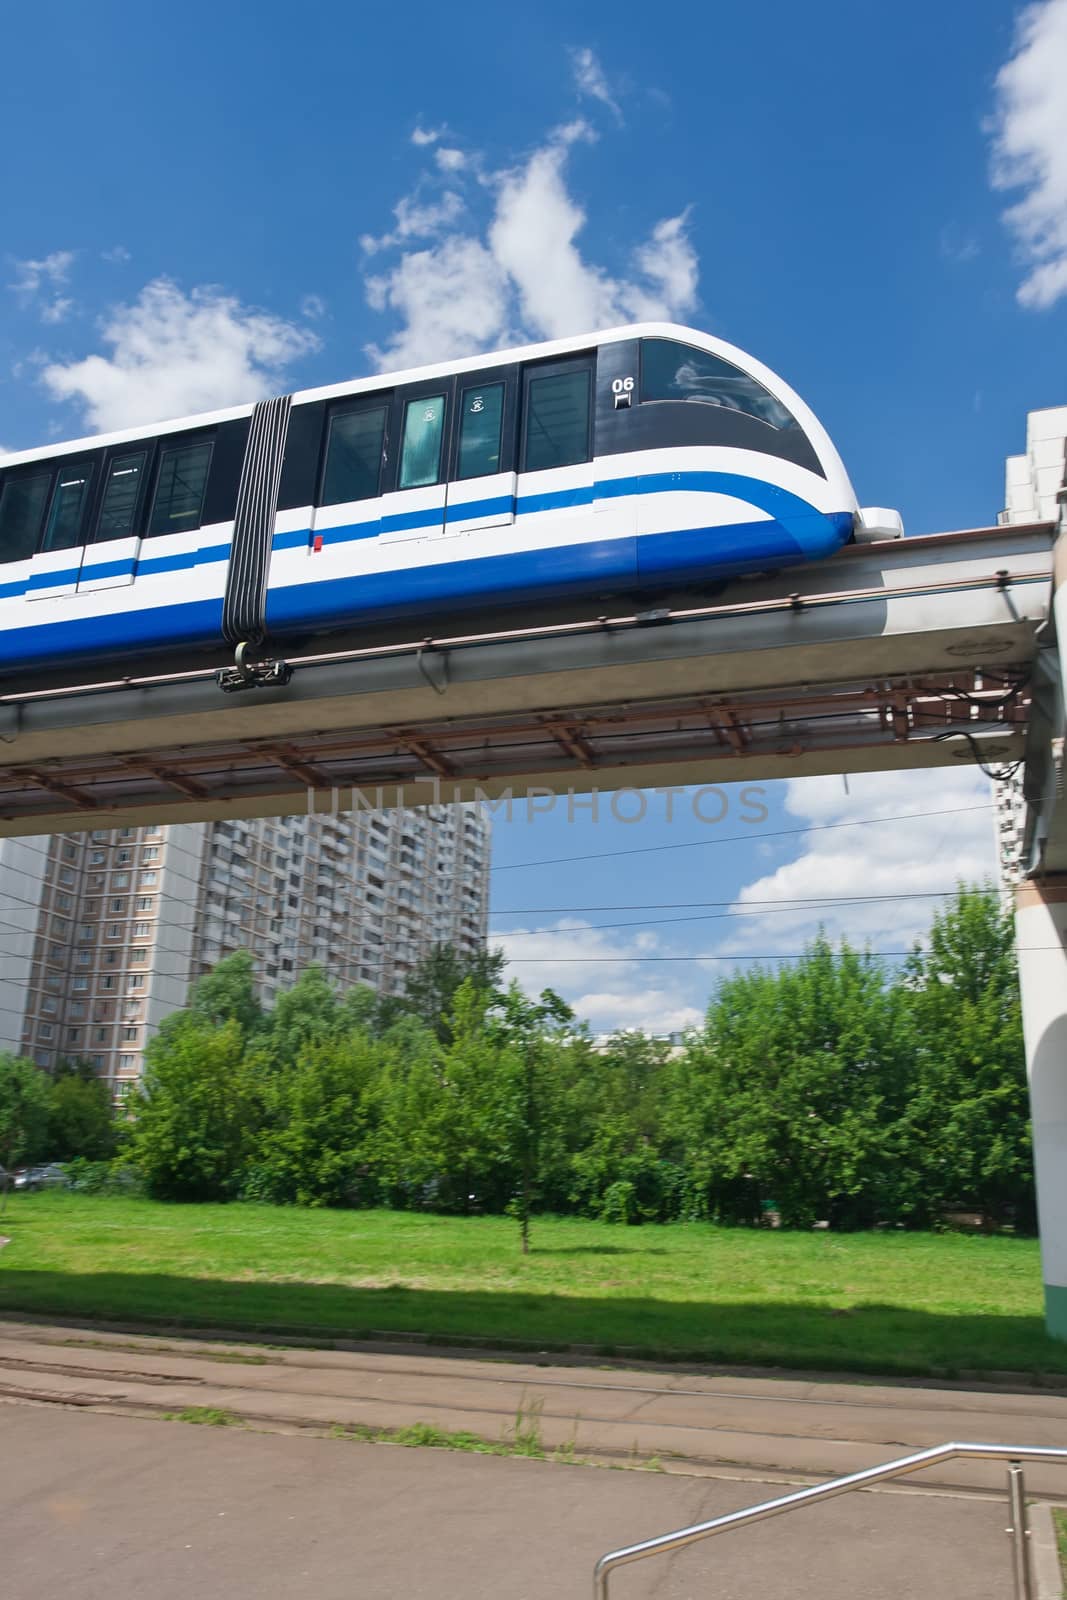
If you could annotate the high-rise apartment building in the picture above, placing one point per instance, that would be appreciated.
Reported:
(103, 932)
(1032, 485)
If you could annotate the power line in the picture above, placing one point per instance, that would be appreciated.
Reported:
(776, 955)
(177, 924)
(657, 922)
(740, 838)
(811, 902)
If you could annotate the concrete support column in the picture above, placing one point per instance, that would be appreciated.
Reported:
(1041, 935)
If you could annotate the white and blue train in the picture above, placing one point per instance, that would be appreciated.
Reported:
(652, 458)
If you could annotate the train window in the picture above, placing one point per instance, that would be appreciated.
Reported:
(557, 418)
(122, 492)
(482, 412)
(66, 514)
(354, 456)
(22, 503)
(671, 371)
(180, 488)
(420, 453)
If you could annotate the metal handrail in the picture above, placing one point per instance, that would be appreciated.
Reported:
(900, 1468)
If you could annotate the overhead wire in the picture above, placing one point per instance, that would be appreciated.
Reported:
(801, 901)
(740, 838)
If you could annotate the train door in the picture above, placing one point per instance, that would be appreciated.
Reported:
(110, 560)
(415, 507)
(482, 480)
(55, 567)
(555, 480)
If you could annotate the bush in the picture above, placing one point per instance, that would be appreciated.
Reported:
(619, 1203)
(101, 1177)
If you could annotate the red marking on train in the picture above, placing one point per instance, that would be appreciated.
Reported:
(318, 542)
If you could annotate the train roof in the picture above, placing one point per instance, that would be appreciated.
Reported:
(390, 380)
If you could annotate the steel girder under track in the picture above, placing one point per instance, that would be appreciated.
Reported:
(906, 654)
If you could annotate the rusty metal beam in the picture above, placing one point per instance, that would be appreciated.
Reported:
(572, 742)
(65, 791)
(173, 780)
(293, 764)
(425, 752)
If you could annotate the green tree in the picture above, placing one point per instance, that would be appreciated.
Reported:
(834, 1089)
(228, 994)
(967, 1130)
(81, 1120)
(623, 1164)
(804, 1073)
(312, 1147)
(24, 1106)
(198, 1112)
(431, 989)
(405, 1147)
(307, 1013)
(471, 1126)
(532, 1033)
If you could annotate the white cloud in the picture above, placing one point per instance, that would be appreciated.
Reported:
(116, 255)
(534, 237)
(668, 264)
(423, 136)
(1030, 148)
(918, 858)
(589, 968)
(449, 160)
(313, 306)
(38, 282)
(450, 298)
(31, 276)
(526, 276)
(417, 219)
(57, 309)
(590, 80)
(172, 354)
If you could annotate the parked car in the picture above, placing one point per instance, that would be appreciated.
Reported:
(51, 1176)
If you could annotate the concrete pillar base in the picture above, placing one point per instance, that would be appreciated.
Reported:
(1056, 1310)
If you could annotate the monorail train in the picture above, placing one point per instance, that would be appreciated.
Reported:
(650, 458)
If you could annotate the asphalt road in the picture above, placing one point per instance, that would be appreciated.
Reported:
(110, 1507)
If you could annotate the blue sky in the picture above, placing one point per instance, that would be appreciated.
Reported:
(197, 212)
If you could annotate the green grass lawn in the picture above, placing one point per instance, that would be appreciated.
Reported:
(885, 1302)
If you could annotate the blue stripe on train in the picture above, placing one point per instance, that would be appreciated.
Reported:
(795, 533)
(559, 570)
(534, 574)
(195, 624)
(51, 580)
(339, 602)
(787, 508)
(779, 503)
(88, 574)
